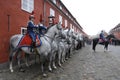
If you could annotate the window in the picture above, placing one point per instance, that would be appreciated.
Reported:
(23, 30)
(60, 19)
(70, 26)
(66, 13)
(60, 7)
(52, 12)
(65, 23)
(27, 5)
(54, 1)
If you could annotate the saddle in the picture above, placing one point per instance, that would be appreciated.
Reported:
(101, 41)
(26, 41)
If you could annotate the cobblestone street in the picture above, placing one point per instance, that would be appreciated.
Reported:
(84, 65)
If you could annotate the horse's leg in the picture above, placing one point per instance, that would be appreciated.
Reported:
(94, 45)
(27, 56)
(67, 54)
(63, 56)
(53, 60)
(70, 52)
(42, 62)
(12, 54)
(19, 56)
(50, 61)
(106, 46)
(59, 58)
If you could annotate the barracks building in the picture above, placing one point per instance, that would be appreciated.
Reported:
(15, 14)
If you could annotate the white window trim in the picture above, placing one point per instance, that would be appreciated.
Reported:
(52, 12)
(54, 1)
(23, 30)
(60, 19)
(70, 26)
(27, 5)
(60, 7)
(66, 23)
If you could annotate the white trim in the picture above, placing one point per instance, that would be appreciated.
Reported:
(66, 24)
(23, 30)
(27, 5)
(52, 12)
(54, 1)
(60, 19)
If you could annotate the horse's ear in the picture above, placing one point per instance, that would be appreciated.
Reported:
(59, 23)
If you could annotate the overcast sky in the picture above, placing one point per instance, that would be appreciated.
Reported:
(95, 15)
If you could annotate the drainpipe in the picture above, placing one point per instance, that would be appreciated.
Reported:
(8, 22)
(44, 12)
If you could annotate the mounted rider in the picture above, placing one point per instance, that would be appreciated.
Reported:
(30, 30)
(41, 27)
(102, 36)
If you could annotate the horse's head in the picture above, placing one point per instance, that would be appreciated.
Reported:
(58, 28)
(80, 37)
(62, 34)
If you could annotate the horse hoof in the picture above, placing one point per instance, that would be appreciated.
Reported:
(59, 65)
(50, 70)
(55, 67)
(66, 58)
(11, 70)
(22, 70)
(44, 75)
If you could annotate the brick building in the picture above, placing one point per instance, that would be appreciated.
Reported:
(116, 31)
(14, 17)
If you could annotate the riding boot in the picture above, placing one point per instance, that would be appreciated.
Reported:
(32, 46)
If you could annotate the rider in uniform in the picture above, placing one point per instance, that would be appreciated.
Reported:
(102, 37)
(41, 27)
(30, 30)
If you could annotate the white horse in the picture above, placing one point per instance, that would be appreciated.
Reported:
(44, 50)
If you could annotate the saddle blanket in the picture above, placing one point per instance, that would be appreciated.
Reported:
(26, 41)
(100, 40)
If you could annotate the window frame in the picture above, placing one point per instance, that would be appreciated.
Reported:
(60, 19)
(66, 23)
(52, 12)
(27, 5)
(23, 30)
(54, 1)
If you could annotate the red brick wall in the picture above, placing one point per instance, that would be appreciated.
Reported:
(18, 18)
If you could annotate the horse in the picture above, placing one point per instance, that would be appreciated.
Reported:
(97, 41)
(44, 50)
(68, 34)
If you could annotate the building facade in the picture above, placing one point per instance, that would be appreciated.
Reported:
(116, 31)
(15, 15)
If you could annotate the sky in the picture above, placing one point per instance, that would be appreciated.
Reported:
(95, 15)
